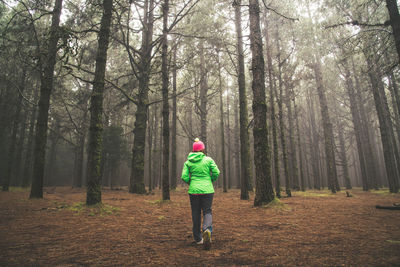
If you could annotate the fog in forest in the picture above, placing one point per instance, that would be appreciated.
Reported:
(199, 133)
(286, 95)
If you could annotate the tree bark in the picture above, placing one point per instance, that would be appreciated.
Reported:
(80, 152)
(302, 178)
(308, 175)
(393, 88)
(228, 137)
(173, 127)
(165, 112)
(46, 88)
(95, 140)
(245, 174)
(343, 157)
(13, 140)
(395, 92)
(281, 121)
(52, 156)
(237, 143)
(367, 147)
(264, 189)
(355, 113)
(156, 145)
(293, 153)
(391, 132)
(160, 155)
(203, 95)
(188, 118)
(221, 110)
(150, 149)
(390, 161)
(137, 169)
(20, 149)
(27, 173)
(328, 131)
(314, 138)
(394, 22)
(272, 89)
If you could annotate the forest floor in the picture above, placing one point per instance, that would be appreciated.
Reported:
(315, 228)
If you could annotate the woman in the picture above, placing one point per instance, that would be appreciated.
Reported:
(199, 171)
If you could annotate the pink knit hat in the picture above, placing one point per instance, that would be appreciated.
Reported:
(198, 145)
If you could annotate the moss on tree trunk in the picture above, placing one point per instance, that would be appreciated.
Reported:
(93, 175)
(264, 190)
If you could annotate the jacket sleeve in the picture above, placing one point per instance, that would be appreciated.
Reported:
(185, 173)
(214, 170)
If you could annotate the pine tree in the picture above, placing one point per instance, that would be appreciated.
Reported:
(264, 190)
(93, 175)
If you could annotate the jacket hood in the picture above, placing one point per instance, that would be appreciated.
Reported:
(195, 156)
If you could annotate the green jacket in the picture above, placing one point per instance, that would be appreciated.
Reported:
(199, 171)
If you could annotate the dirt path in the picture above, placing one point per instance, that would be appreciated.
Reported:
(312, 229)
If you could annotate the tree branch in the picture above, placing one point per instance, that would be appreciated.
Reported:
(357, 23)
(107, 81)
(278, 13)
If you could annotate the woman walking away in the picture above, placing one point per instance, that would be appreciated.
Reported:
(199, 171)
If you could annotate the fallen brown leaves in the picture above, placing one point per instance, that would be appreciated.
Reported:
(311, 230)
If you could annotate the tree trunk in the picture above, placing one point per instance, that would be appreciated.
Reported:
(203, 95)
(281, 121)
(264, 190)
(46, 87)
(272, 89)
(394, 22)
(150, 148)
(173, 128)
(328, 131)
(137, 169)
(228, 133)
(237, 143)
(165, 112)
(156, 145)
(221, 110)
(390, 161)
(52, 156)
(188, 118)
(393, 88)
(20, 150)
(160, 156)
(314, 138)
(302, 178)
(310, 186)
(27, 173)
(391, 132)
(293, 153)
(245, 175)
(355, 113)
(395, 92)
(80, 152)
(13, 140)
(93, 175)
(7, 101)
(344, 157)
(367, 147)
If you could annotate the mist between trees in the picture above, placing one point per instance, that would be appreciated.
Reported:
(286, 95)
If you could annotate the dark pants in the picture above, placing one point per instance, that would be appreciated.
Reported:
(199, 203)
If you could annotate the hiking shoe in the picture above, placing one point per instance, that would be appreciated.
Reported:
(200, 242)
(207, 239)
